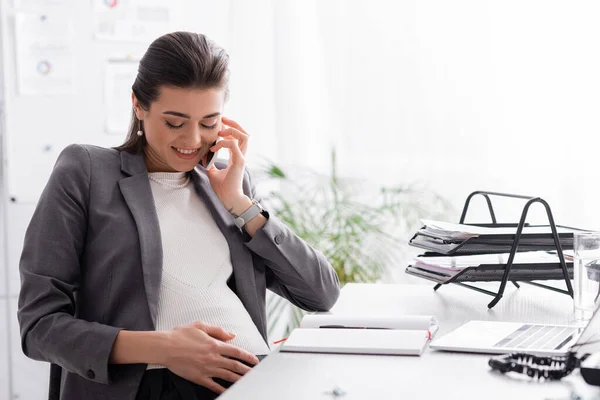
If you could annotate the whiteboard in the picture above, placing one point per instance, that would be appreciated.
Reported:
(38, 126)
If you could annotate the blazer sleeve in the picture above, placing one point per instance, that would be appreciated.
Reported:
(295, 270)
(50, 275)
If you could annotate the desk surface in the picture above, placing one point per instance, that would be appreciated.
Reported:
(435, 374)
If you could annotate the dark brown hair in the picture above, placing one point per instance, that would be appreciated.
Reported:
(180, 59)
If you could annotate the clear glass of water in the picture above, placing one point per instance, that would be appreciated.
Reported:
(586, 273)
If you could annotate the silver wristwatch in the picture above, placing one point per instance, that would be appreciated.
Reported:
(247, 215)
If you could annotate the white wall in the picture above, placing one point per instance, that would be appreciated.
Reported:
(5, 320)
(461, 95)
(472, 95)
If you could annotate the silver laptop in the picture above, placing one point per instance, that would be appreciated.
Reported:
(492, 337)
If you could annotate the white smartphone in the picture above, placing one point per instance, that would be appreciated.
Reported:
(211, 157)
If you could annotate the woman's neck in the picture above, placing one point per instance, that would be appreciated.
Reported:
(154, 163)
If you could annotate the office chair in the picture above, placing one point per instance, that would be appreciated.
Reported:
(54, 382)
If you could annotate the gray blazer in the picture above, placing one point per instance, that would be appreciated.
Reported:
(92, 259)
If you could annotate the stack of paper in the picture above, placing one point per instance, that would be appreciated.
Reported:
(452, 265)
(490, 267)
(446, 230)
(449, 239)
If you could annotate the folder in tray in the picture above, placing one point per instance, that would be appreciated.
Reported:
(453, 239)
(488, 267)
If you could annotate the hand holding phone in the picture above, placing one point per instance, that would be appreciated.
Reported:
(227, 183)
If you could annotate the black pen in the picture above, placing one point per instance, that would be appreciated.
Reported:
(347, 327)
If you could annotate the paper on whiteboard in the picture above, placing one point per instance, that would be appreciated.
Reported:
(37, 5)
(118, 79)
(44, 53)
(131, 20)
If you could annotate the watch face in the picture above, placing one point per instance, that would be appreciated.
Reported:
(239, 222)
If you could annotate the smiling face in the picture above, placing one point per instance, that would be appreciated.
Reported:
(180, 127)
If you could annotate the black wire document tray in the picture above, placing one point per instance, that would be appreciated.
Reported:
(512, 239)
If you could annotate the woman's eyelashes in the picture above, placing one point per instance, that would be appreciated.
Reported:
(173, 126)
(209, 127)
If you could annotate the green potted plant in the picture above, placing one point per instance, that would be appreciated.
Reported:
(361, 228)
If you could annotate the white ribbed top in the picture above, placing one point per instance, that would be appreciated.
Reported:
(196, 265)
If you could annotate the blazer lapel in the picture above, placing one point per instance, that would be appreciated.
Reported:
(241, 258)
(138, 196)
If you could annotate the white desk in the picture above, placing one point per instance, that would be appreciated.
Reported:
(292, 376)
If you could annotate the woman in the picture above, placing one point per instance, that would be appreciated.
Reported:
(143, 273)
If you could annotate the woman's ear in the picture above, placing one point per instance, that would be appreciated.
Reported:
(137, 108)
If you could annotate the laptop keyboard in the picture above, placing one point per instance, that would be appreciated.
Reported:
(539, 337)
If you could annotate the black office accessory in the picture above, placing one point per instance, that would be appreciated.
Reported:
(556, 367)
(549, 368)
(485, 244)
(590, 369)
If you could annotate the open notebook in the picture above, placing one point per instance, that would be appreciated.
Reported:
(327, 333)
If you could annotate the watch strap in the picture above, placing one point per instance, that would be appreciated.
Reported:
(247, 215)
